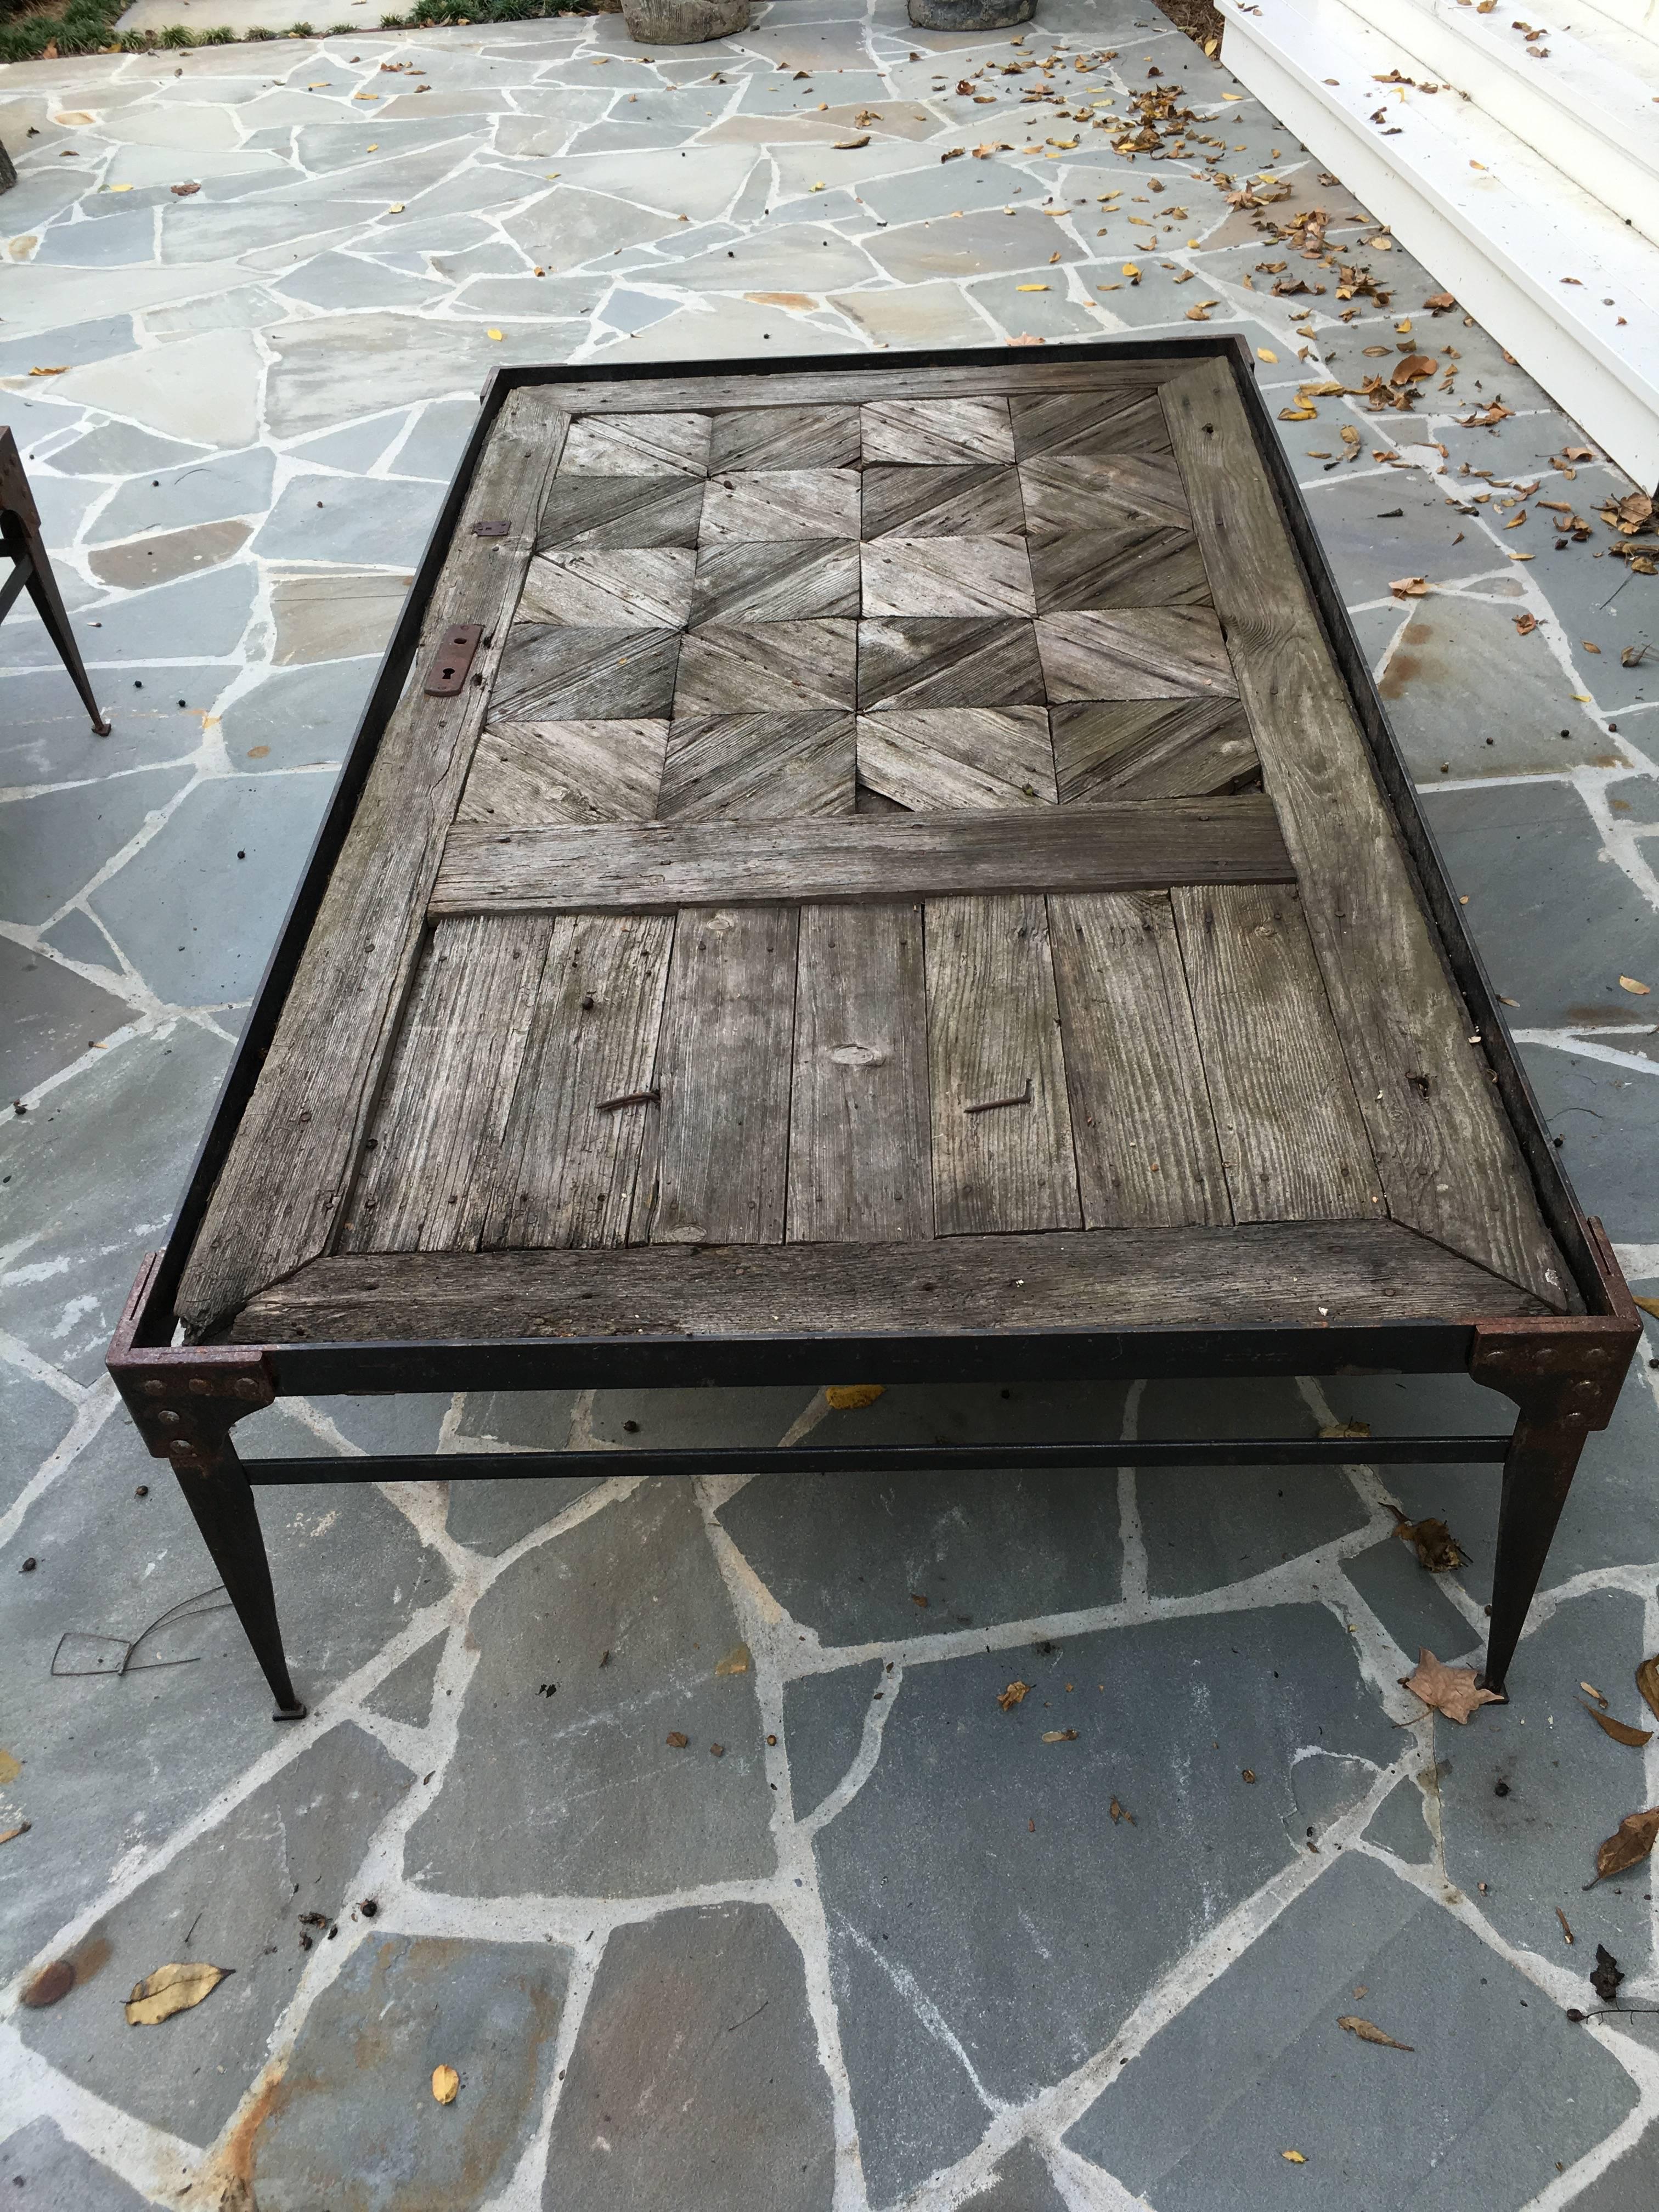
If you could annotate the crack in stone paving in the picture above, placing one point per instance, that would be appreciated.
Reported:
(265, 385)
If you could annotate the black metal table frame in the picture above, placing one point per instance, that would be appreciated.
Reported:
(1563, 1373)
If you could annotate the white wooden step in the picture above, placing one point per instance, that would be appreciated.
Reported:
(1586, 95)
(1497, 223)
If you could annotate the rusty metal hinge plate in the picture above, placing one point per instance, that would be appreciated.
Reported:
(452, 664)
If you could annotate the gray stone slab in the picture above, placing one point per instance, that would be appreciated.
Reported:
(200, 917)
(490, 1515)
(297, 717)
(77, 937)
(823, 1718)
(38, 2160)
(357, 2097)
(69, 347)
(334, 614)
(161, 1742)
(52, 1016)
(122, 449)
(234, 1896)
(45, 736)
(640, 1420)
(1629, 2184)
(586, 1795)
(959, 1864)
(849, 1554)
(1050, 314)
(696, 2080)
(980, 244)
(1408, 1600)
(119, 242)
(1205, 1527)
(343, 280)
(316, 520)
(406, 1693)
(1020, 2184)
(1557, 922)
(1607, 1119)
(34, 1421)
(95, 1171)
(1514, 702)
(1497, 2092)
(434, 445)
(356, 448)
(339, 366)
(200, 617)
(1400, 1826)
(794, 257)
(1565, 1787)
(52, 845)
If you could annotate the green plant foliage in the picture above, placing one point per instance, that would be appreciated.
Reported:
(88, 27)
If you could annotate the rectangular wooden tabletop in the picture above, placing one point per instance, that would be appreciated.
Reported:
(907, 859)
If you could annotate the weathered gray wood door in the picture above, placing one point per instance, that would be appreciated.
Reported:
(908, 830)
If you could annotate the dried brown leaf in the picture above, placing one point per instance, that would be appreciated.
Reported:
(1452, 1691)
(1619, 1730)
(1060, 1735)
(1629, 1845)
(446, 2084)
(736, 1661)
(1013, 1695)
(1407, 588)
(1436, 1546)
(1338, 1429)
(675, 1740)
(1368, 2031)
(1637, 990)
(1413, 366)
(170, 1989)
(848, 1397)
(1649, 1305)
(1647, 1675)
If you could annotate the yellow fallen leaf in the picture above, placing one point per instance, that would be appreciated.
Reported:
(397, 208)
(1299, 414)
(496, 335)
(1031, 287)
(1368, 2031)
(446, 2084)
(1265, 353)
(63, 371)
(1637, 990)
(1132, 272)
(847, 1397)
(736, 1661)
(1649, 1306)
(375, 149)
(1015, 1694)
(1294, 2157)
(170, 1989)
(1060, 1735)
(1239, 95)
(121, 188)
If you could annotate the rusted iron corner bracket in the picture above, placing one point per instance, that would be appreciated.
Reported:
(185, 1399)
(1568, 1368)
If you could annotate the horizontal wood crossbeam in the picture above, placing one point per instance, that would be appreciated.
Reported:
(1299, 1274)
(602, 867)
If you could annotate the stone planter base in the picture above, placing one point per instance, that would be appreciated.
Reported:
(684, 22)
(970, 15)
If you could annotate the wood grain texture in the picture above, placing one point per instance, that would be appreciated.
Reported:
(1122, 419)
(947, 576)
(636, 446)
(548, 673)
(950, 759)
(775, 582)
(963, 501)
(566, 1173)
(279, 1196)
(1063, 492)
(758, 767)
(1071, 371)
(917, 431)
(449, 1086)
(859, 1144)
(777, 506)
(1293, 1274)
(610, 587)
(1448, 1163)
(604, 510)
(738, 668)
(527, 772)
(1290, 1128)
(1133, 845)
(961, 661)
(993, 1032)
(1137, 565)
(723, 1070)
(1141, 1122)
(789, 437)
(1151, 749)
(1138, 653)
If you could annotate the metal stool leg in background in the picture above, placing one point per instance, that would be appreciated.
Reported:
(20, 536)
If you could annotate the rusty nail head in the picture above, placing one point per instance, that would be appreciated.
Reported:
(1575, 1421)
(246, 1387)
(1597, 1355)
(168, 1418)
(200, 1385)
(154, 1387)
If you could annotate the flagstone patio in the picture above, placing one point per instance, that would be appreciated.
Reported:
(869, 1940)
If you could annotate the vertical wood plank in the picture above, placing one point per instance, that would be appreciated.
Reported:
(1289, 1127)
(569, 1162)
(1448, 1160)
(280, 1196)
(993, 1029)
(1142, 1120)
(724, 1069)
(449, 1085)
(859, 1165)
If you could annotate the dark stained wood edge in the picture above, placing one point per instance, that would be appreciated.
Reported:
(280, 1194)
(1126, 845)
(849, 386)
(1448, 1160)
(1301, 1275)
